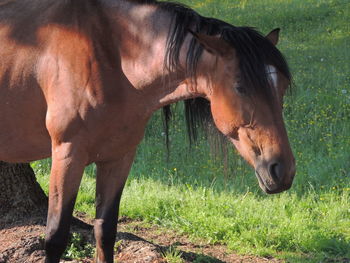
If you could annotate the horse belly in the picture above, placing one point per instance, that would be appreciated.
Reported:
(23, 135)
(19, 148)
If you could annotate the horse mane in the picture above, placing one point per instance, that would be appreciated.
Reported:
(253, 50)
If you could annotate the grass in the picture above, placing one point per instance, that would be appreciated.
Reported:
(172, 255)
(191, 193)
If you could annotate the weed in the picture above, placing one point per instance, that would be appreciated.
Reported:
(172, 255)
(78, 248)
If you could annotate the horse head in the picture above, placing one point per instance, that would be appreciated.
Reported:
(246, 99)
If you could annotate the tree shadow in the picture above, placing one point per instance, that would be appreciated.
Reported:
(194, 257)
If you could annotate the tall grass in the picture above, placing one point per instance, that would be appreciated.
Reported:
(191, 193)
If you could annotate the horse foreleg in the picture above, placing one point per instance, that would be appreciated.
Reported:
(111, 177)
(68, 162)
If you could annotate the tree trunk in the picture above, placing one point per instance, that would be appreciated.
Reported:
(20, 193)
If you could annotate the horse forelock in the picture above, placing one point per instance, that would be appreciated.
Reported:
(254, 52)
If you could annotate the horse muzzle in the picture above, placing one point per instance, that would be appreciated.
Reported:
(274, 176)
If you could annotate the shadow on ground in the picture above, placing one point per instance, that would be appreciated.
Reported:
(132, 247)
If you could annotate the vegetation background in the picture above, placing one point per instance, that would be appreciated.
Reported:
(191, 193)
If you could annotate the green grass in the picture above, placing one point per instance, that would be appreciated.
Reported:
(172, 255)
(192, 194)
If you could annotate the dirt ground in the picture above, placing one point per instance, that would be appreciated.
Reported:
(22, 242)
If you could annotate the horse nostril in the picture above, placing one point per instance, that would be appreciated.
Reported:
(275, 170)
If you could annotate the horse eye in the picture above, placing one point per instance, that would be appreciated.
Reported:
(241, 90)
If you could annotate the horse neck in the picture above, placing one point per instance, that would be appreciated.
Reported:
(141, 31)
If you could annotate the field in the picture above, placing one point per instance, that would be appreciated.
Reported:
(219, 201)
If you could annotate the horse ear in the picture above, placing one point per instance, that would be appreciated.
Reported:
(273, 36)
(212, 44)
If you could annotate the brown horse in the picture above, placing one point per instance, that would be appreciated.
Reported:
(79, 79)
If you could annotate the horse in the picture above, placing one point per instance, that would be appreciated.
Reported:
(79, 79)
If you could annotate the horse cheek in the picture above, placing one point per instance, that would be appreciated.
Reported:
(226, 115)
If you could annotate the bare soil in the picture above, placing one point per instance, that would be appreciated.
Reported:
(22, 242)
